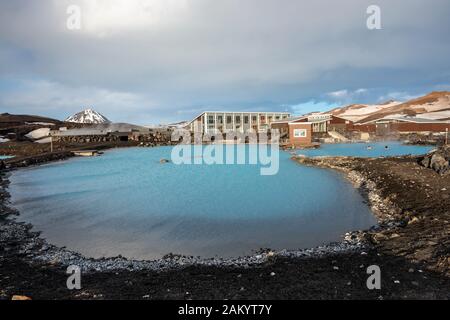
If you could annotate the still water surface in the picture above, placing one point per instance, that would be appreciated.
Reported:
(125, 202)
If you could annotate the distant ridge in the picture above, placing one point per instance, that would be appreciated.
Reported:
(435, 105)
(25, 118)
(88, 116)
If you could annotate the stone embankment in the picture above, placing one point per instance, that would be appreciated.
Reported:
(410, 202)
(20, 162)
(154, 138)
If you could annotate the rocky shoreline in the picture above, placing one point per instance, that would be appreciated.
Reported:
(403, 199)
(35, 249)
(23, 252)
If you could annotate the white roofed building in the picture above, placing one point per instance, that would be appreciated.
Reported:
(226, 121)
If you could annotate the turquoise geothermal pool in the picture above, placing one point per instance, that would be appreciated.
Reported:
(377, 149)
(126, 202)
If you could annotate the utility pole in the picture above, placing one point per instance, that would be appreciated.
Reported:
(51, 143)
(446, 136)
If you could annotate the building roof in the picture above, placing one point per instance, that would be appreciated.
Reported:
(78, 132)
(251, 112)
(281, 112)
(408, 119)
(308, 118)
(288, 120)
(305, 122)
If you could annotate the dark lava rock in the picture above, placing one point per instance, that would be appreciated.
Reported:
(439, 164)
(438, 160)
(425, 162)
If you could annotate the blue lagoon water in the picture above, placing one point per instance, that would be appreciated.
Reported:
(366, 150)
(125, 202)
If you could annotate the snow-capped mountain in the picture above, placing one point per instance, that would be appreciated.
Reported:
(88, 116)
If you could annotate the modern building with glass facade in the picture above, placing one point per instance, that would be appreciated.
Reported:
(210, 121)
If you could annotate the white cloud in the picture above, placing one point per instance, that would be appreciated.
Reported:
(111, 17)
(51, 97)
(340, 94)
(361, 91)
(345, 95)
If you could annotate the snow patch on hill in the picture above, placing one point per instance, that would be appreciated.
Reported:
(434, 106)
(359, 111)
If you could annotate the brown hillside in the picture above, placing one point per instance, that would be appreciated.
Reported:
(338, 111)
(16, 119)
(407, 107)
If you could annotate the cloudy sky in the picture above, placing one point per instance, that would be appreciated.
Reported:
(156, 61)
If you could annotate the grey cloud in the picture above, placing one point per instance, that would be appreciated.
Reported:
(230, 54)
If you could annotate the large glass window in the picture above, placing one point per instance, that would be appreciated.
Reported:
(299, 133)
